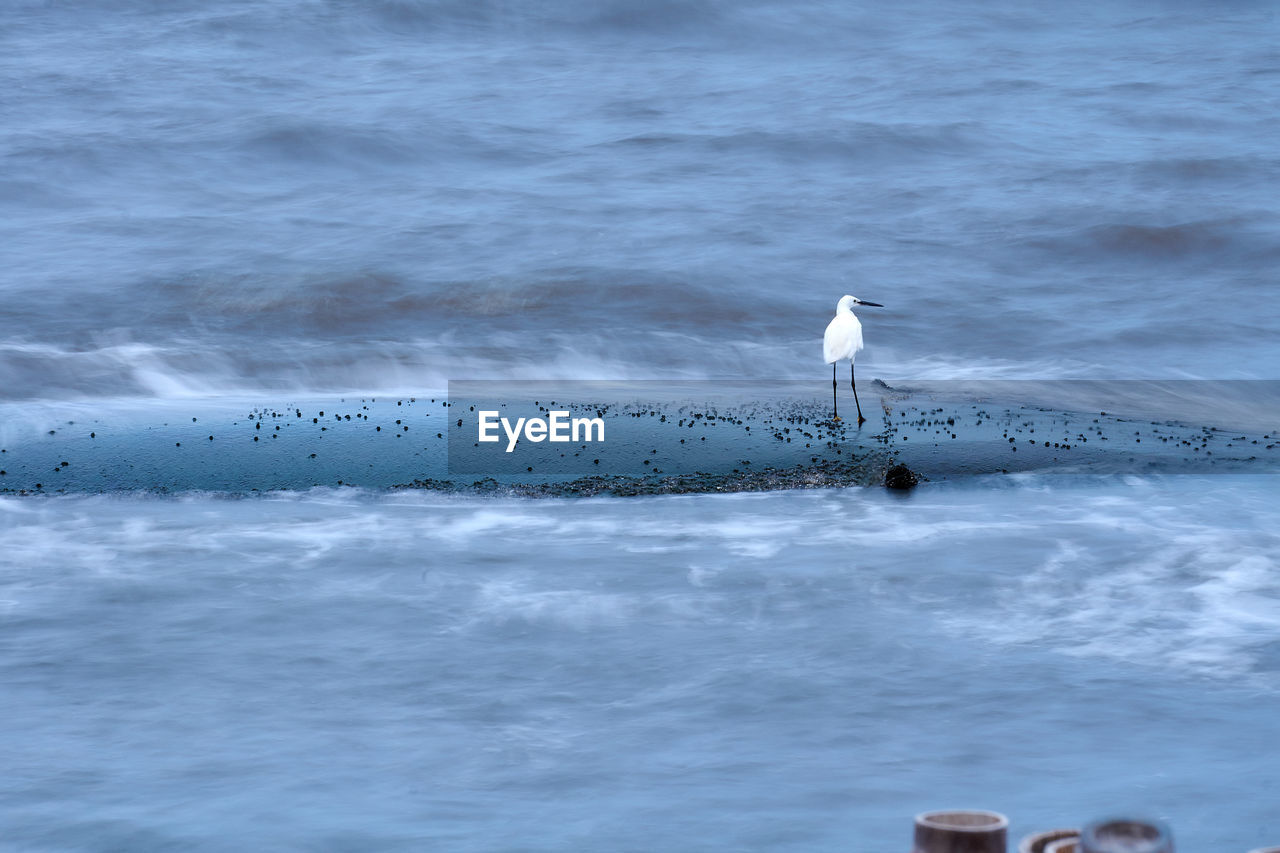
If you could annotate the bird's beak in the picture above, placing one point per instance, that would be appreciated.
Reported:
(872, 304)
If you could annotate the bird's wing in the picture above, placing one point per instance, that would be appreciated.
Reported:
(829, 342)
(842, 339)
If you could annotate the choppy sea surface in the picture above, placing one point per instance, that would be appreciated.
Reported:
(795, 670)
(304, 197)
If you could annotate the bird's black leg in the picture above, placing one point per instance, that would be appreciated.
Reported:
(854, 385)
(835, 409)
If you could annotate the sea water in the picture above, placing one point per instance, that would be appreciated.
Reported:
(308, 197)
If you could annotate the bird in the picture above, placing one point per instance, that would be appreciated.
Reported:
(843, 339)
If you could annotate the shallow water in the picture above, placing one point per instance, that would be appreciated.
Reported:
(333, 670)
(292, 199)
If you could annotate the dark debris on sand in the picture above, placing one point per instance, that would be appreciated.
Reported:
(869, 470)
(900, 477)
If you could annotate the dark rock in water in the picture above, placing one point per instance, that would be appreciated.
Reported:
(900, 477)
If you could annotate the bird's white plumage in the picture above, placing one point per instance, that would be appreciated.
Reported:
(843, 337)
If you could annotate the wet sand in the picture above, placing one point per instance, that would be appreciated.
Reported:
(741, 441)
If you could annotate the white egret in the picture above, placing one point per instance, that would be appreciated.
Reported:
(843, 339)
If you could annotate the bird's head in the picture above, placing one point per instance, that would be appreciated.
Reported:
(846, 303)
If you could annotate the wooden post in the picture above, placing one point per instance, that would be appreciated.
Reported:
(1041, 842)
(1123, 835)
(961, 831)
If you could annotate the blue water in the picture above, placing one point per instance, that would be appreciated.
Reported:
(780, 671)
(301, 197)
(355, 196)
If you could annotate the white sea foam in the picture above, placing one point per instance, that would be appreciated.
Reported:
(1139, 580)
(1180, 574)
(203, 368)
